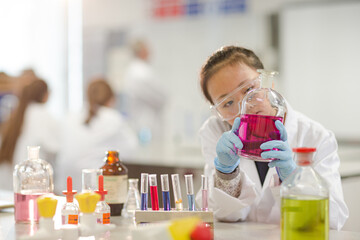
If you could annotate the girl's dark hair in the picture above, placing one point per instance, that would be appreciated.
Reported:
(228, 55)
(99, 93)
(34, 92)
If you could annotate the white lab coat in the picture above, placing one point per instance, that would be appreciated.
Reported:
(39, 129)
(145, 97)
(262, 204)
(84, 146)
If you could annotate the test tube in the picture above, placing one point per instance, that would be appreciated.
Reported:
(153, 192)
(144, 191)
(165, 191)
(190, 191)
(204, 192)
(177, 191)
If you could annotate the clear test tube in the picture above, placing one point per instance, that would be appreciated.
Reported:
(144, 191)
(153, 192)
(165, 191)
(204, 192)
(177, 191)
(190, 191)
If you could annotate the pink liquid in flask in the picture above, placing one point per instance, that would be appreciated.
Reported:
(255, 130)
(26, 207)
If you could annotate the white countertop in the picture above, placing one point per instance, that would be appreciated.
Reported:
(9, 230)
(226, 231)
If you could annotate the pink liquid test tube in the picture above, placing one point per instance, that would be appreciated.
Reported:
(153, 192)
(204, 192)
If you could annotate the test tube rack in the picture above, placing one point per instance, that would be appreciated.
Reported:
(150, 216)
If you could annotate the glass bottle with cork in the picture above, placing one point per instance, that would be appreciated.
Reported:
(304, 201)
(33, 178)
(115, 181)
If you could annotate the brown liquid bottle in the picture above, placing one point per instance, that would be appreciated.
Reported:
(115, 182)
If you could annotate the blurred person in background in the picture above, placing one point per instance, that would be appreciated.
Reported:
(87, 135)
(7, 98)
(10, 91)
(30, 124)
(144, 95)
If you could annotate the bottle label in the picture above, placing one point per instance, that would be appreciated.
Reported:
(106, 218)
(116, 187)
(73, 219)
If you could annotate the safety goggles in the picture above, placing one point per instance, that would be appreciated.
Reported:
(230, 106)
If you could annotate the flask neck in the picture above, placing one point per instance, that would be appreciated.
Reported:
(33, 152)
(133, 183)
(112, 157)
(304, 159)
(267, 78)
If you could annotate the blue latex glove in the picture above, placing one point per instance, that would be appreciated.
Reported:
(227, 159)
(285, 165)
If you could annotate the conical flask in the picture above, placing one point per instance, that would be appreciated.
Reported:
(304, 201)
(260, 108)
(132, 202)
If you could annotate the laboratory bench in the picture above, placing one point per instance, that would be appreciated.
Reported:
(227, 231)
(189, 160)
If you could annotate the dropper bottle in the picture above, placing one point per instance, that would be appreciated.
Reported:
(102, 209)
(70, 210)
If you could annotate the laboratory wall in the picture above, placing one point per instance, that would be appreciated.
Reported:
(320, 49)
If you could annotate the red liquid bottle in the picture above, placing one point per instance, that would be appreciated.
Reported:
(115, 182)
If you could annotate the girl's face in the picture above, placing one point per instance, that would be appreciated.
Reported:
(229, 78)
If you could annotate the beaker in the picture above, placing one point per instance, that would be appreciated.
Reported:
(132, 202)
(260, 108)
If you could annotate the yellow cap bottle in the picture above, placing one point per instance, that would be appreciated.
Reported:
(87, 201)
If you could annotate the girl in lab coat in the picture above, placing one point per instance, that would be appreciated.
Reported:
(86, 136)
(242, 189)
(30, 124)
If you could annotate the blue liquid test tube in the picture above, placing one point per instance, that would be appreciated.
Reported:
(165, 191)
(144, 191)
(190, 191)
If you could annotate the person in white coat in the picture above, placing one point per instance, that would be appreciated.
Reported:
(145, 98)
(245, 190)
(30, 124)
(86, 136)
